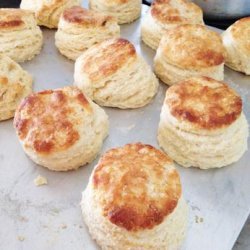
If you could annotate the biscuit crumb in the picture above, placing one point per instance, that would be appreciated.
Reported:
(131, 127)
(63, 226)
(21, 238)
(55, 210)
(40, 180)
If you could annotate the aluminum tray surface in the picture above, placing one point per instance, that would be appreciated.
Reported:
(49, 217)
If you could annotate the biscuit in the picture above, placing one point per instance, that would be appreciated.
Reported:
(189, 50)
(112, 74)
(60, 129)
(134, 200)
(15, 84)
(20, 37)
(48, 12)
(166, 14)
(79, 29)
(202, 124)
(237, 43)
(126, 11)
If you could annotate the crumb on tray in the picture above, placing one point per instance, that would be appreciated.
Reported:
(63, 226)
(21, 238)
(40, 180)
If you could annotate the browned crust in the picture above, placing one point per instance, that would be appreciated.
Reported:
(193, 46)
(240, 31)
(12, 18)
(10, 24)
(165, 11)
(210, 106)
(121, 179)
(81, 16)
(43, 119)
(107, 58)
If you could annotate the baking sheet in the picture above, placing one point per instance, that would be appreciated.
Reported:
(49, 217)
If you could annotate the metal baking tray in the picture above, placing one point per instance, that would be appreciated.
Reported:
(49, 217)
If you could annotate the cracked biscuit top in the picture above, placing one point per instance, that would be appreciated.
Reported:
(192, 46)
(136, 186)
(176, 12)
(204, 103)
(47, 122)
(106, 58)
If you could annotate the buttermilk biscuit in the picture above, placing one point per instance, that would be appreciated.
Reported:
(48, 12)
(60, 129)
(126, 11)
(236, 40)
(165, 14)
(20, 37)
(134, 200)
(202, 124)
(15, 84)
(189, 50)
(112, 74)
(79, 29)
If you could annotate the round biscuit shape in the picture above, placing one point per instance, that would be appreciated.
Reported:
(202, 124)
(20, 37)
(79, 29)
(237, 44)
(167, 14)
(189, 50)
(60, 129)
(134, 200)
(48, 12)
(15, 84)
(112, 74)
(125, 11)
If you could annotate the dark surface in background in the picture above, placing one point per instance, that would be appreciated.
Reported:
(9, 3)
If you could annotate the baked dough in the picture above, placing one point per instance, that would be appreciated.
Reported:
(202, 124)
(79, 29)
(60, 129)
(15, 84)
(114, 75)
(189, 50)
(236, 40)
(126, 11)
(134, 200)
(167, 14)
(48, 12)
(20, 37)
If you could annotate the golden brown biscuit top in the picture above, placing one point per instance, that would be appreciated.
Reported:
(192, 46)
(136, 186)
(13, 18)
(84, 17)
(204, 102)
(47, 121)
(241, 34)
(176, 11)
(106, 58)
